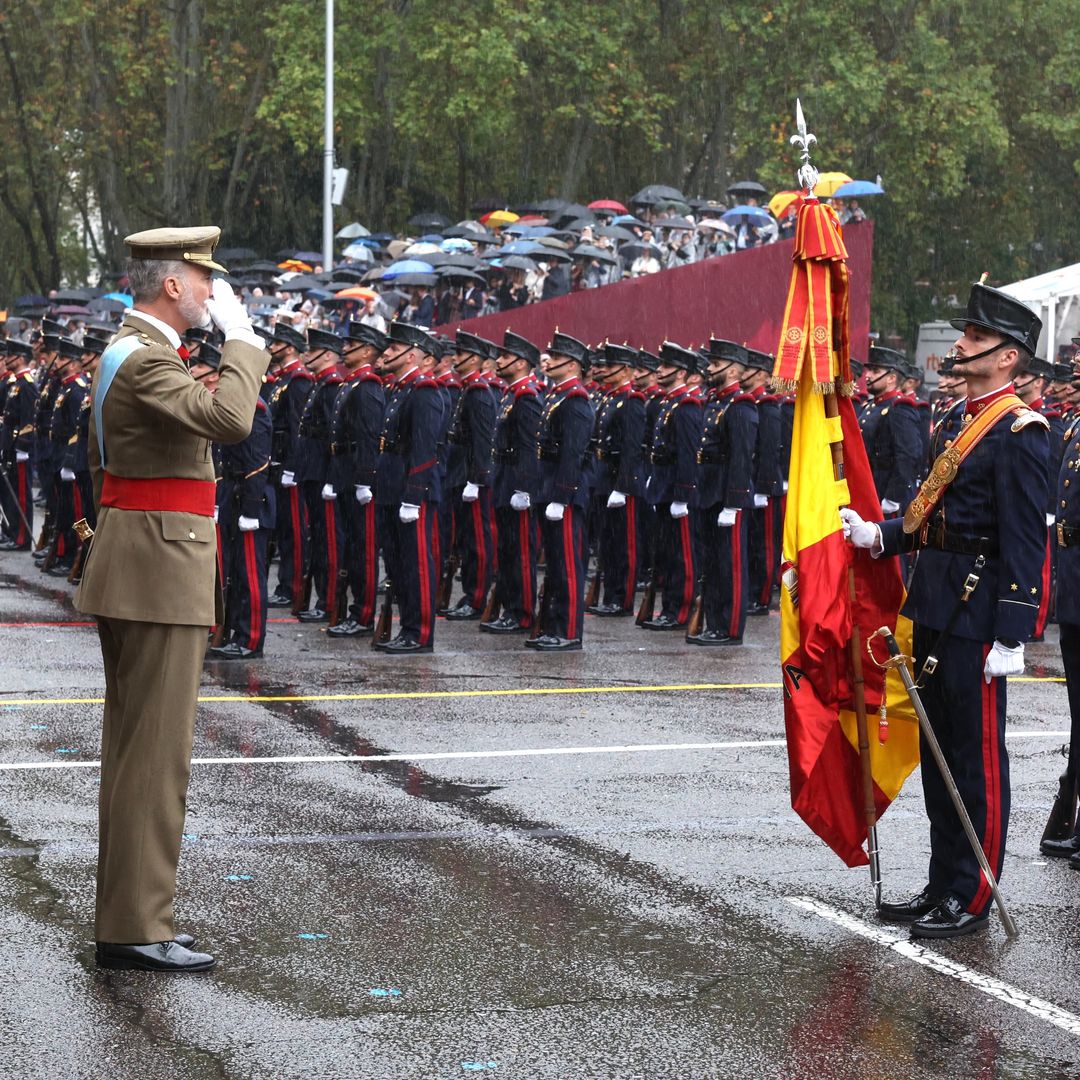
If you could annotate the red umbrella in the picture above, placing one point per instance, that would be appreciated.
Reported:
(531, 219)
(608, 204)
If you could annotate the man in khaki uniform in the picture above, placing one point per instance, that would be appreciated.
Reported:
(151, 575)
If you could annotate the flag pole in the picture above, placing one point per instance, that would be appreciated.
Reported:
(808, 179)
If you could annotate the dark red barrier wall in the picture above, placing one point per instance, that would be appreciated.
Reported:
(739, 297)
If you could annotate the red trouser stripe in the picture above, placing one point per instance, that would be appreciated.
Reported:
(991, 838)
(688, 568)
(630, 587)
(255, 610)
(424, 575)
(480, 592)
(1044, 599)
(524, 539)
(298, 539)
(371, 565)
(20, 471)
(331, 557)
(770, 557)
(570, 562)
(736, 574)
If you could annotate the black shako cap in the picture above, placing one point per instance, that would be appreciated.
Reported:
(565, 345)
(324, 339)
(520, 347)
(288, 335)
(719, 349)
(676, 356)
(889, 359)
(406, 334)
(618, 355)
(994, 310)
(367, 335)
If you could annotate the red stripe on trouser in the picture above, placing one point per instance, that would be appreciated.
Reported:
(736, 574)
(1044, 599)
(20, 470)
(371, 565)
(331, 556)
(631, 553)
(524, 540)
(688, 568)
(479, 594)
(255, 608)
(77, 496)
(570, 562)
(770, 557)
(298, 539)
(991, 838)
(425, 577)
(436, 539)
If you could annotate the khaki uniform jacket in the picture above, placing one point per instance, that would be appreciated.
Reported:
(161, 566)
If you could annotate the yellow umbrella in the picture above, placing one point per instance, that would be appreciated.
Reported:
(781, 202)
(828, 182)
(498, 218)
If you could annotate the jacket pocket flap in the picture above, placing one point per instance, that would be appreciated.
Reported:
(177, 526)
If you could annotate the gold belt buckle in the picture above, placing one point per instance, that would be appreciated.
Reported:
(82, 529)
(1061, 534)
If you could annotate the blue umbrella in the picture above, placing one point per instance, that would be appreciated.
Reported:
(521, 247)
(746, 215)
(123, 297)
(407, 266)
(858, 189)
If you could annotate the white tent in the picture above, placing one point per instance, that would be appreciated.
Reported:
(1054, 296)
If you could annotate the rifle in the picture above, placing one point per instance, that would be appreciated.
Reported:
(341, 599)
(386, 617)
(592, 597)
(1062, 820)
(302, 594)
(491, 605)
(541, 613)
(697, 613)
(446, 585)
(14, 501)
(648, 601)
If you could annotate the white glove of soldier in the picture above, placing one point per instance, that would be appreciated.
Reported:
(785, 487)
(727, 518)
(363, 494)
(67, 475)
(328, 492)
(225, 309)
(520, 501)
(21, 455)
(248, 524)
(862, 534)
(679, 510)
(761, 501)
(616, 500)
(1003, 660)
(408, 513)
(288, 479)
(1050, 519)
(215, 515)
(554, 511)
(471, 493)
(889, 507)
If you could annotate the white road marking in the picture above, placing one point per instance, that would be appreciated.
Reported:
(458, 755)
(919, 954)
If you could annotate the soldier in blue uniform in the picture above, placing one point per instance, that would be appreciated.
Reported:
(988, 521)
(672, 486)
(16, 448)
(645, 369)
(726, 493)
(292, 386)
(48, 387)
(470, 440)
(565, 430)
(447, 546)
(76, 456)
(910, 385)
(620, 478)
(355, 429)
(407, 490)
(516, 485)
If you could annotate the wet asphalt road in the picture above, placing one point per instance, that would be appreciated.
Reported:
(613, 914)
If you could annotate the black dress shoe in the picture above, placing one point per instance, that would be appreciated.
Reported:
(607, 611)
(184, 940)
(948, 920)
(758, 609)
(907, 911)
(18, 547)
(1074, 861)
(712, 637)
(552, 643)
(349, 628)
(463, 613)
(59, 570)
(278, 600)
(314, 615)
(1060, 849)
(234, 651)
(663, 622)
(40, 555)
(166, 956)
(404, 646)
(505, 624)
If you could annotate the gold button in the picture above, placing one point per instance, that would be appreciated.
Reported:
(191, 535)
(1062, 504)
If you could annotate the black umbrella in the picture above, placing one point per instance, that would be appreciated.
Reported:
(575, 225)
(673, 223)
(102, 304)
(73, 296)
(672, 206)
(238, 254)
(590, 251)
(637, 248)
(31, 301)
(465, 232)
(518, 262)
(615, 232)
(746, 188)
(414, 279)
(656, 193)
(300, 283)
(351, 274)
(262, 268)
(459, 273)
(448, 258)
(428, 221)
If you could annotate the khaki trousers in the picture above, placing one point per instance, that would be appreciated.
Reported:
(152, 675)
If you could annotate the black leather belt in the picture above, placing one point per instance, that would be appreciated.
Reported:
(941, 538)
(1067, 535)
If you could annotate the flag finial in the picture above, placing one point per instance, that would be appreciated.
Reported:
(808, 175)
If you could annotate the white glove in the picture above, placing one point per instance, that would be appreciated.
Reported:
(616, 500)
(727, 518)
(761, 501)
(288, 479)
(328, 492)
(471, 493)
(889, 507)
(785, 487)
(21, 455)
(1001, 660)
(679, 510)
(862, 534)
(554, 511)
(248, 524)
(67, 475)
(520, 500)
(1050, 519)
(363, 494)
(408, 513)
(226, 310)
(215, 515)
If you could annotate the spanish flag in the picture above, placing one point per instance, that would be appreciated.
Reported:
(818, 613)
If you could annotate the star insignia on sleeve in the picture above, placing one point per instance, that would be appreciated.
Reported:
(1034, 590)
(1014, 587)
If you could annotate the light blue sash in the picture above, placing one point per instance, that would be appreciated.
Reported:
(111, 359)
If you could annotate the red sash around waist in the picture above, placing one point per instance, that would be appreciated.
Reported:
(162, 493)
